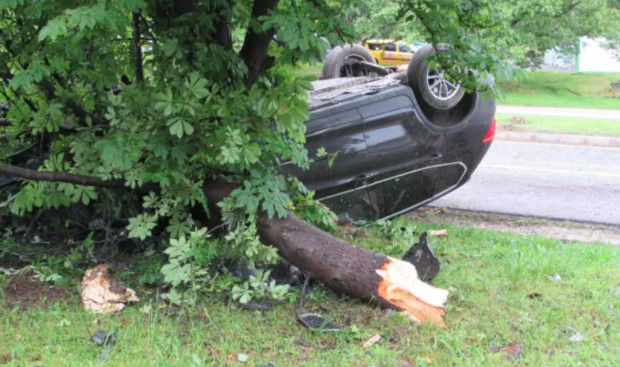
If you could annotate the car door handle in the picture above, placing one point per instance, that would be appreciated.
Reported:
(434, 157)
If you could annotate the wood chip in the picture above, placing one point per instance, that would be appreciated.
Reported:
(101, 293)
(373, 340)
(438, 232)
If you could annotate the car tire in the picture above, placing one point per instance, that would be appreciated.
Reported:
(329, 59)
(429, 84)
(342, 63)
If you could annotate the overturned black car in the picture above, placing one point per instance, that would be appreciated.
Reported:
(395, 151)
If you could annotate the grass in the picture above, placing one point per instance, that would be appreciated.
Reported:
(561, 89)
(309, 71)
(489, 275)
(562, 125)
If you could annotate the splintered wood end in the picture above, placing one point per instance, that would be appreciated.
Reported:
(401, 287)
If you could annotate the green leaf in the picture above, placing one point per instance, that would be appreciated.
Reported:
(141, 226)
(178, 127)
(246, 199)
(53, 29)
(84, 194)
(228, 155)
(179, 249)
(175, 273)
(188, 128)
(165, 102)
(197, 85)
(169, 47)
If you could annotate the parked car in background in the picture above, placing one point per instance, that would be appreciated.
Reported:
(389, 52)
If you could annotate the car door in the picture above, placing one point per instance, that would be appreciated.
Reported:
(390, 54)
(403, 154)
(404, 53)
(341, 184)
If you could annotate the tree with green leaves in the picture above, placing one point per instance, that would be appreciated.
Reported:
(155, 110)
(522, 30)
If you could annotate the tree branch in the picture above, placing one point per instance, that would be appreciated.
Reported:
(570, 7)
(30, 174)
(222, 32)
(256, 43)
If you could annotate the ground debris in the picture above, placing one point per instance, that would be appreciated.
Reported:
(317, 322)
(577, 336)
(438, 232)
(423, 258)
(555, 278)
(513, 350)
(101, 293)
(102, 337)
(373, 340)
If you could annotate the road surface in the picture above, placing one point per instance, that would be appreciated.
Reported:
(574, 182)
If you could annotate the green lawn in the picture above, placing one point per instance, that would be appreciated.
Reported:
(311, 72)
(561, 89)
(562, 125)
(501, 293)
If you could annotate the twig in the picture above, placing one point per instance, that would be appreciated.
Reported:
(302, 293)
(32, 225)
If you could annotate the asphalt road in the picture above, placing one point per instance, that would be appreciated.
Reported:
(573, 182)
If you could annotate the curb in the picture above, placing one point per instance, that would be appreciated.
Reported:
(597, 141)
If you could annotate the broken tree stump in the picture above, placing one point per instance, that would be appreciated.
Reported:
(345, 268)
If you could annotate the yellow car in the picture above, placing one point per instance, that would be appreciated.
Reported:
(389, 52)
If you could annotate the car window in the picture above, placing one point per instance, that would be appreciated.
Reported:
(405, 48)
(390, 47)
(374, 46)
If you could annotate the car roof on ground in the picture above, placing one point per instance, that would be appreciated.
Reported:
(337, 90)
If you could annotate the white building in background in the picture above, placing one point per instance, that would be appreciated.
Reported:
(592, 56)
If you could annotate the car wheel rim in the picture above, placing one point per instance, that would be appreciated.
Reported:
(439, 86)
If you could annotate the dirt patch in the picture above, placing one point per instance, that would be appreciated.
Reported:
(566, 231)
(26, 292)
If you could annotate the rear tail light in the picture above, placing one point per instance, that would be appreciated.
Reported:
(490, 135)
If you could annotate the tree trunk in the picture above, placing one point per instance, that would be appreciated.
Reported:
(344, 267)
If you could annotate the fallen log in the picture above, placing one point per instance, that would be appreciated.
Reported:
(345, 268)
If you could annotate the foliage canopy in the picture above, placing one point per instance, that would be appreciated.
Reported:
(165, 96)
